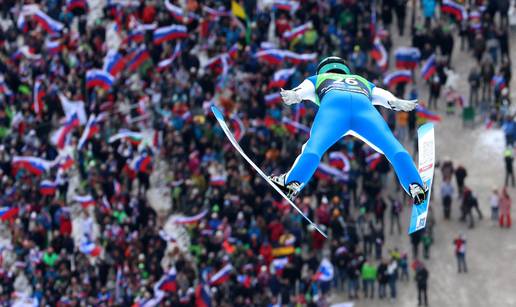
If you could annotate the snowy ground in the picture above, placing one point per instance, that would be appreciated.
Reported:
(491, 250)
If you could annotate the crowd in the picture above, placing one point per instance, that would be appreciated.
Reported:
(97, 100)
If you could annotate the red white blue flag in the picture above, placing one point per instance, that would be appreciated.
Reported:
(429, 68)
(221, 276)
(297, 31)
(281, 77)
(397, 77)
(407, 57)
(169, 33)
(33, 165)
(38, 95)
(99, 78)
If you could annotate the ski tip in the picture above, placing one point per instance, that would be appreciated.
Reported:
(426, 127)
(217, 112)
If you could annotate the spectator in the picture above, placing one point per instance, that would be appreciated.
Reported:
(447, 197)
(509, 171)
(427, 243)
(383, 279)
(474, 84)
(505, 209)
(353, 273)
(460, 253)
(400, 8)
(403, 264)
(392, 274)
(494, 201)
(435, 92)
(369, 276)
(422, 284)
(460, 176)
(396, 208)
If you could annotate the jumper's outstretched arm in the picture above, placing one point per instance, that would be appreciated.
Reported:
(387, 100)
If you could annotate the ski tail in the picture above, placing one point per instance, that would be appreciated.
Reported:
(426, 165)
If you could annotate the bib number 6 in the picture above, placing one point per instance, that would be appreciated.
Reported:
(351, 81)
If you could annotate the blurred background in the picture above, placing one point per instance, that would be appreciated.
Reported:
(118, 187)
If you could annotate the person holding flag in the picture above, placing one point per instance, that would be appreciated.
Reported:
(346, 107)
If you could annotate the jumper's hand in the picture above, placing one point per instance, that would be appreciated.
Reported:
(403, 105)
(290, 97)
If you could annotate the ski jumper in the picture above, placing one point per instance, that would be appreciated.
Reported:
(346, 107)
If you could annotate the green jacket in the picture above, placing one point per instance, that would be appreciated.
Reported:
(368, 272)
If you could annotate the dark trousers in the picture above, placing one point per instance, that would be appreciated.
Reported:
(461, 263)
(422, 295)
(509, 174)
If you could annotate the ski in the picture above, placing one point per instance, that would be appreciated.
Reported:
(426, 148)
(220, 119)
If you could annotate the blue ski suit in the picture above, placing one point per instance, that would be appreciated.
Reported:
(346, 108)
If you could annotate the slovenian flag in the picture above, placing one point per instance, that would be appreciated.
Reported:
(272, 99)
(340, 161)
(137, 36)
(84, 200)
(297, 31)
(178, 13)
(53, 47)
(8, 213)
(279, 264)
(50, 25)
(397, 77)
(325, 271)
(27, 9)
(327, 172)
(281, 77)
(453, 8)
(294, 126)
(430, 68)
(33, 165)
(217, 180)
(37, 96)
(221, 276)
(114, 62)
(271, 56)
(407, 57)
(141, 164)
(168, 282)
(372, 159)
(290, 6)
(92, 128)
(475, 20)
(60, 137)
(167, 62)
(188, 220)
(202, 295)
(165, 34)
(423, 112)
(498, 82)
(99, 78)
(238, 127)
(47, 188)
(133, 137)
(137, 58)
(379, 54)
(65, 162)
(89, 248)
(299, 58)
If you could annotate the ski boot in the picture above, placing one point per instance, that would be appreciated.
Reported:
(418, 193)
(290, 189)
